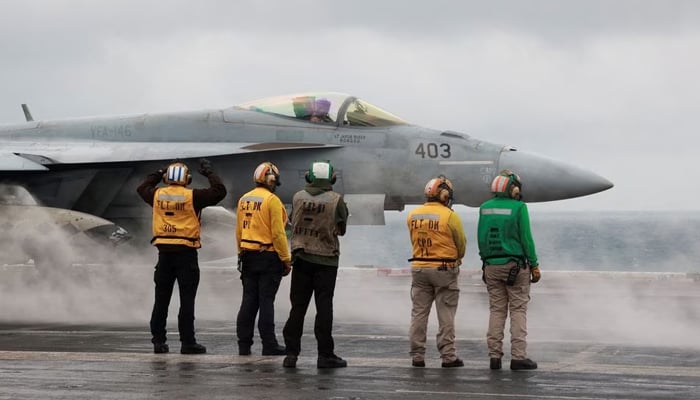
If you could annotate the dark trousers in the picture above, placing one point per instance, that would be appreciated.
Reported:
(183, 267)
(261, 275)
(307, 279)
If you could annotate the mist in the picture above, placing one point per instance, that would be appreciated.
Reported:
(608, 277)
(647, 293)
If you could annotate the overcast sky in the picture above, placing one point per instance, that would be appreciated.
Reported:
(610, 86)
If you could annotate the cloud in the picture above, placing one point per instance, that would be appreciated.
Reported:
(609, 86)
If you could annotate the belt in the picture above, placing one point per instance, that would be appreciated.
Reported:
(442, 260)
(435, 267)
(252, 252)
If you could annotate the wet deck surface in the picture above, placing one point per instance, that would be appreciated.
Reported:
(581, 356)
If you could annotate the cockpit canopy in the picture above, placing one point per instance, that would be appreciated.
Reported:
(325, 108)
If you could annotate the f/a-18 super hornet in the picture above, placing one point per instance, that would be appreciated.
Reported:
(92, 165)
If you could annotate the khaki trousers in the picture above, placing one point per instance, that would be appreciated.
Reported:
(504, 298)
(430, 285)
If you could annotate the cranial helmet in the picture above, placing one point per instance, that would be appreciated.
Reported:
(177, 174)
(321, 107)
(320, 170)
(439, 189)
(303, 106)
(507, 183)
(268, 175)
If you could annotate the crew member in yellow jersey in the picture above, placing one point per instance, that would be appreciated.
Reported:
(176, 233)
(439, 244)
(264, 257)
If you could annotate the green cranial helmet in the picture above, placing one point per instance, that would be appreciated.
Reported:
(320, 170)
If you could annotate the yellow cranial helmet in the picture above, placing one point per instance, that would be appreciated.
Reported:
(177, 174)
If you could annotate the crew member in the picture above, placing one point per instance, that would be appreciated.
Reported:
(321, 107)
(176, 234)
(303, 107)
(510, 265)
(319, 216)
(439, 244)
(263, 255)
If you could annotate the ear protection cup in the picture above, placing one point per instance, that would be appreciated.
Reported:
(515, 193)
(271, 179)
(307, 178)
(444, 195)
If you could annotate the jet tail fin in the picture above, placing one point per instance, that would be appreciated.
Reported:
(27, 113)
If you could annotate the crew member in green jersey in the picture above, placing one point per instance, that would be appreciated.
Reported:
(510, 264)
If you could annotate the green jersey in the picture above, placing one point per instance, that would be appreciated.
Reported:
(504, 232)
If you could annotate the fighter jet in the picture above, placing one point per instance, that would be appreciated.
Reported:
(93, 165)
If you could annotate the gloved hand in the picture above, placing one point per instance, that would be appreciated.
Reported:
(160, 171)
(287, 268)
(535, 274)
(205, 167)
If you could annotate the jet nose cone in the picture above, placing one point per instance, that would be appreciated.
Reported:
(546, 179)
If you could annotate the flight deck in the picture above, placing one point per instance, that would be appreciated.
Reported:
(595, 336)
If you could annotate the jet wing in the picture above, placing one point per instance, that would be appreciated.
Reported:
(34, 157)
(14, 162)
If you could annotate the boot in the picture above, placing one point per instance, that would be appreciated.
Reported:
(290, 361)
(452, 364)
(276, 350)
(194, 348)
(418, 363)
(160, 348)
(243, 350)
(495, 363)
(523, 364)
(331, 361)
